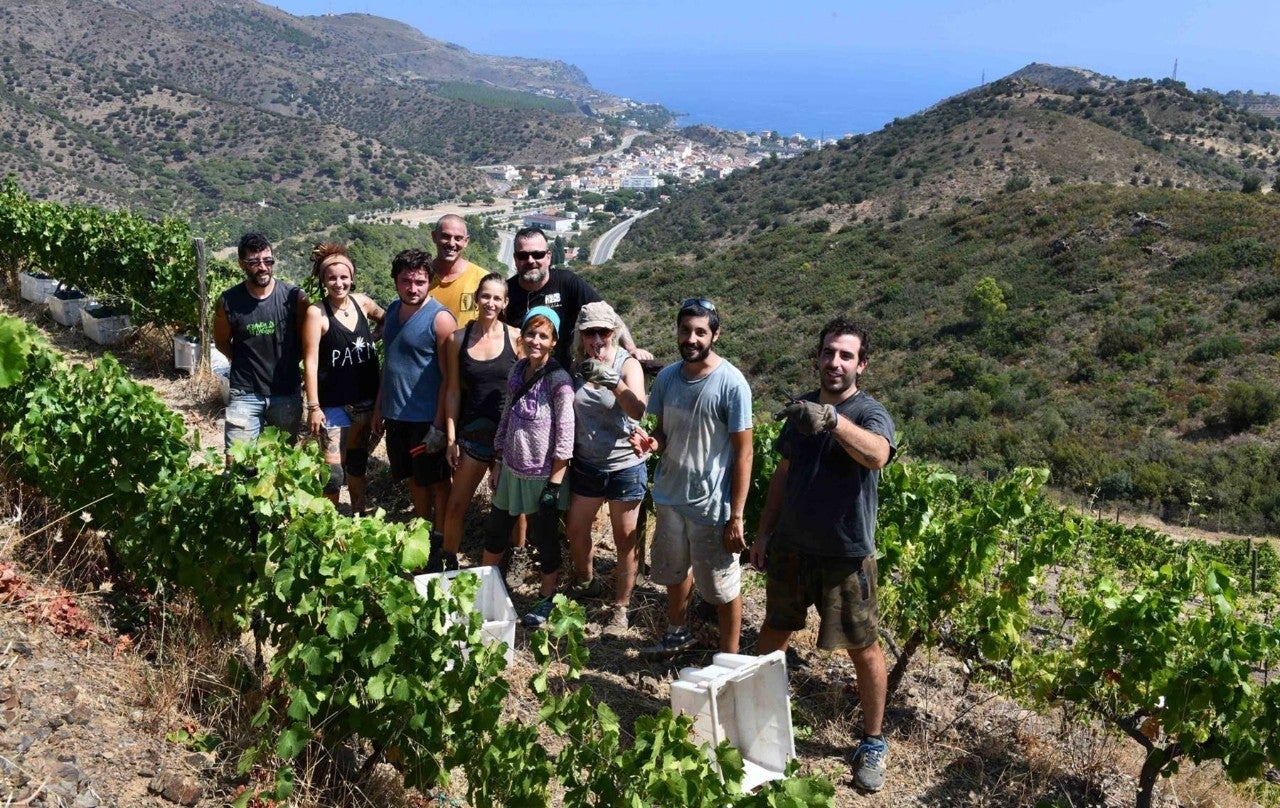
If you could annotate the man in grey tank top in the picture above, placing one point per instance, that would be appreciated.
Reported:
(258, 324)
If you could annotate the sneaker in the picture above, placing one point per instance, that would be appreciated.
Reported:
(615, 624)
(869, 764)
(580, 590)
(672, 643)
(538, 615)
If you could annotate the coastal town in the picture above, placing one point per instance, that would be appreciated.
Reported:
(580, 199)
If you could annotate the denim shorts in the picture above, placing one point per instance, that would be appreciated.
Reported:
(623, 485)
(480, 452)
(248, 413)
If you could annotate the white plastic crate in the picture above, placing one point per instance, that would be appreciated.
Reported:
(36, 286)
(65, 304)
(186, 352)
(107, 330)
(492, 601)
(224, 380)
(743, 700)
(186, 355)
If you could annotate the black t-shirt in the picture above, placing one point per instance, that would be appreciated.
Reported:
(830, 504)
(266, 348)
(565, 293)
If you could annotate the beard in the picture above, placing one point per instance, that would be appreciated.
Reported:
(694, 354)
(533, 275)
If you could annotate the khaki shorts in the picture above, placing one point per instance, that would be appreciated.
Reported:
(680, 544)
(842, 589)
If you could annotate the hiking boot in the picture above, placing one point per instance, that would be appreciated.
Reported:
(672, 643)
(581, 590)
(435, 559)
(869, 764)
(538, 615)
(615, 623)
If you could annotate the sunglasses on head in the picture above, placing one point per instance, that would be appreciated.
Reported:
(259, 262)
(536, 255)
(700, 302)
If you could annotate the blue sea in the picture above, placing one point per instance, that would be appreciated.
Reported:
(817, 95)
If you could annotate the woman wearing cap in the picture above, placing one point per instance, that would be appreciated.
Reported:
(341, 371)
(534, 442)
(607, 405)
(478, 358)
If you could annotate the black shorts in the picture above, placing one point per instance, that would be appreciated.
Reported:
(842, 589)
(426, 469)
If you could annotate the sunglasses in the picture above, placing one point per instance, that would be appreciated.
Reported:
(597, 332)
(259, 262)
(700, 302)
(536, 255)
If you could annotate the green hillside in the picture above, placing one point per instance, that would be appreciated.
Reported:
(209, 109)
(1137, 361)
(1012, 133)
(1060, 267)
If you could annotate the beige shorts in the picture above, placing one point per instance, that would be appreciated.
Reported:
(680, 544)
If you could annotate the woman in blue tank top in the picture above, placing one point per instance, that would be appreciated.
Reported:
(340, 368)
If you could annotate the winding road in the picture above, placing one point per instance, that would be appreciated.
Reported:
(606, 244)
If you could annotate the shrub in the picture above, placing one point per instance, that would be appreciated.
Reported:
(1248, 404)
(1223, 347)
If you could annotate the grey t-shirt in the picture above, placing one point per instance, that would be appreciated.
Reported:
(698, 417)
(831, 499)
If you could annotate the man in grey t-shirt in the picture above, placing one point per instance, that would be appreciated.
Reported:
(817, 529)
(703, 405)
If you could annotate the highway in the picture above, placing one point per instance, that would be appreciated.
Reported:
(606, 244)
(506, 245)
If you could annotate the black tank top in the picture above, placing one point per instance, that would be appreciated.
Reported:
(266, 349)
(348, 366)
(484, 383)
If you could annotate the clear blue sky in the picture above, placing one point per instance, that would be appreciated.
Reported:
(891, 59)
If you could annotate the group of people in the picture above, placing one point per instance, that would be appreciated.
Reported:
(536, 382)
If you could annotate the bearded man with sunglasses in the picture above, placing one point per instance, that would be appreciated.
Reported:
(562, 291)
(258, 325)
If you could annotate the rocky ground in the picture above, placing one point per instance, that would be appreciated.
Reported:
(94, 712)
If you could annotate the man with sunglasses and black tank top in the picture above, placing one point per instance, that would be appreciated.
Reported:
(561, 290)
(258, 325)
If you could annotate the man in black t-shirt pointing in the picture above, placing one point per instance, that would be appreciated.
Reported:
(536, 284)
(817, 531)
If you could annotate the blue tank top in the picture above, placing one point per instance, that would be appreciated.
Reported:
(411, 374)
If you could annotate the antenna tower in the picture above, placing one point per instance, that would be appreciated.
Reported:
(1175, 69)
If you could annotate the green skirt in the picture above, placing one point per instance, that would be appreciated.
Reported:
(519, 494)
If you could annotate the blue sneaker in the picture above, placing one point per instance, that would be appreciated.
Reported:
(869, 764)
(539, 614)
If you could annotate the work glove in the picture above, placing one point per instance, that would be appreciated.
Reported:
(435, 441)
(809, 417)
(597, 372)
(550, 499)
